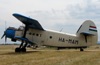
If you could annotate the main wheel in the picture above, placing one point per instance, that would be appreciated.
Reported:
(17, 49)
(23, 49)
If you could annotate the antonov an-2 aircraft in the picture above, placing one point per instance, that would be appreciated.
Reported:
(33, 33)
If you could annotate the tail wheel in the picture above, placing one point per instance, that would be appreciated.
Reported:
(81, 49)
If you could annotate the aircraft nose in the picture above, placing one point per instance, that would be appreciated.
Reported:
(9, 33)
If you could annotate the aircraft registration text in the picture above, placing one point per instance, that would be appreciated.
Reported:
(68, 40)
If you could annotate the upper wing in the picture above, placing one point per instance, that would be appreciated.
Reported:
(31, 23)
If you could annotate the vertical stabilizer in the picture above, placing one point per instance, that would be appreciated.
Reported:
(89, 30)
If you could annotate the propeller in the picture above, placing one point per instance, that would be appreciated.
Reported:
(9, 33)
(4, 35)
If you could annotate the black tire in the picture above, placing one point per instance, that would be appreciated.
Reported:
(17, 49)
(23, 49)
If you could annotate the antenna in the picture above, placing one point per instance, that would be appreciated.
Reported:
(61, 29)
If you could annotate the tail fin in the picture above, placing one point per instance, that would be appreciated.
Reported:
(89, 30)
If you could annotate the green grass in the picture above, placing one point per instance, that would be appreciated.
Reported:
(90, 56)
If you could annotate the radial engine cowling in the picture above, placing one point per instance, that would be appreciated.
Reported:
(9, 33)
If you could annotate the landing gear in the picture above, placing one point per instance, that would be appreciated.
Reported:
(81, 49)
(17, 49)
(23, 49)
(20, 49)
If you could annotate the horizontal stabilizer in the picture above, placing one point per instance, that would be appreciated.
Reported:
(87, 33)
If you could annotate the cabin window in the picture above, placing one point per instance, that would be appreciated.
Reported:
(29, 33)
(37, 34)
(33, 33)
(50, 37)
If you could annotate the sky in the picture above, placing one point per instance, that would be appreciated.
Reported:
(65, 15)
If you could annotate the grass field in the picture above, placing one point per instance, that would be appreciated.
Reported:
(90, 56)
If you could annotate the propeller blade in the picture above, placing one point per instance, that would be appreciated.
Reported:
(3, 35)
(5, 38)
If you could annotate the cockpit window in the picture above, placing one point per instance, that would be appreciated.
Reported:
(21, 28)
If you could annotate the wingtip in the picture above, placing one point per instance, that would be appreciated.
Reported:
(15, 14)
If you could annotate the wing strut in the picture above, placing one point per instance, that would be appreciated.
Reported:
(22, 47)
